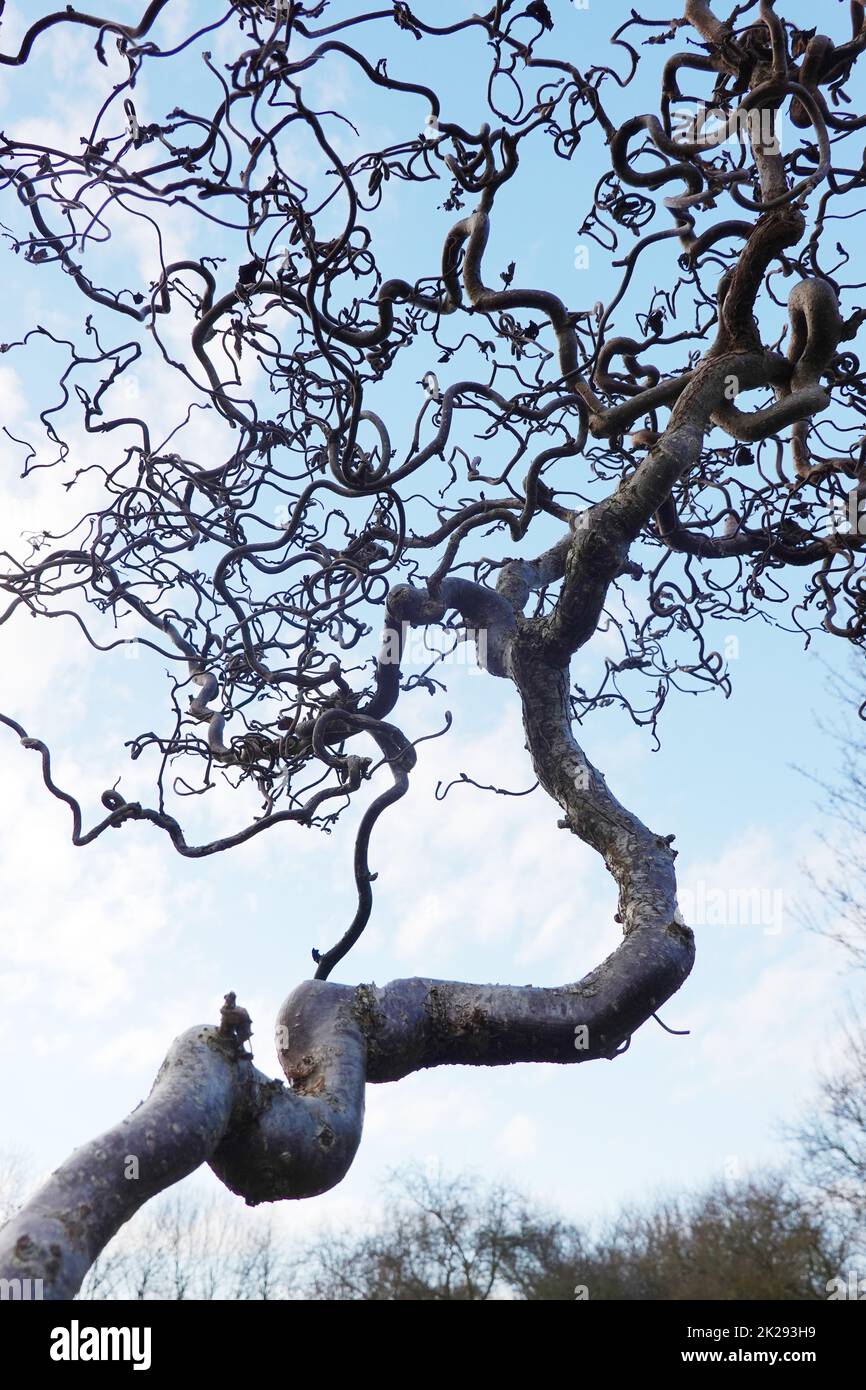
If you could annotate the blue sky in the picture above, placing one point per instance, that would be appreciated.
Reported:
(107, 952)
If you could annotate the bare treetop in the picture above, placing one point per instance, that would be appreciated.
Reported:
(646, 460)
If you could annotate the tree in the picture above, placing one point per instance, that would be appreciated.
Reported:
(831, 1136)
(448, 1239)
(459, 1239)
(754, 1239)
(259, 574)
(185, 1247)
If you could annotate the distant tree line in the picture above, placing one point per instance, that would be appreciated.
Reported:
(795, 1235)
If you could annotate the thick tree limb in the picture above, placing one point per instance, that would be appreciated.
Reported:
(269, 1142)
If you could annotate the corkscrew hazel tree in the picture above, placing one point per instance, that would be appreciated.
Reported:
(658, 449)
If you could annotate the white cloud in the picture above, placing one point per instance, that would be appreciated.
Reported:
(79, 919)
(12, 397)
(408, 1109)
(518, 1138)
(443, 879)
